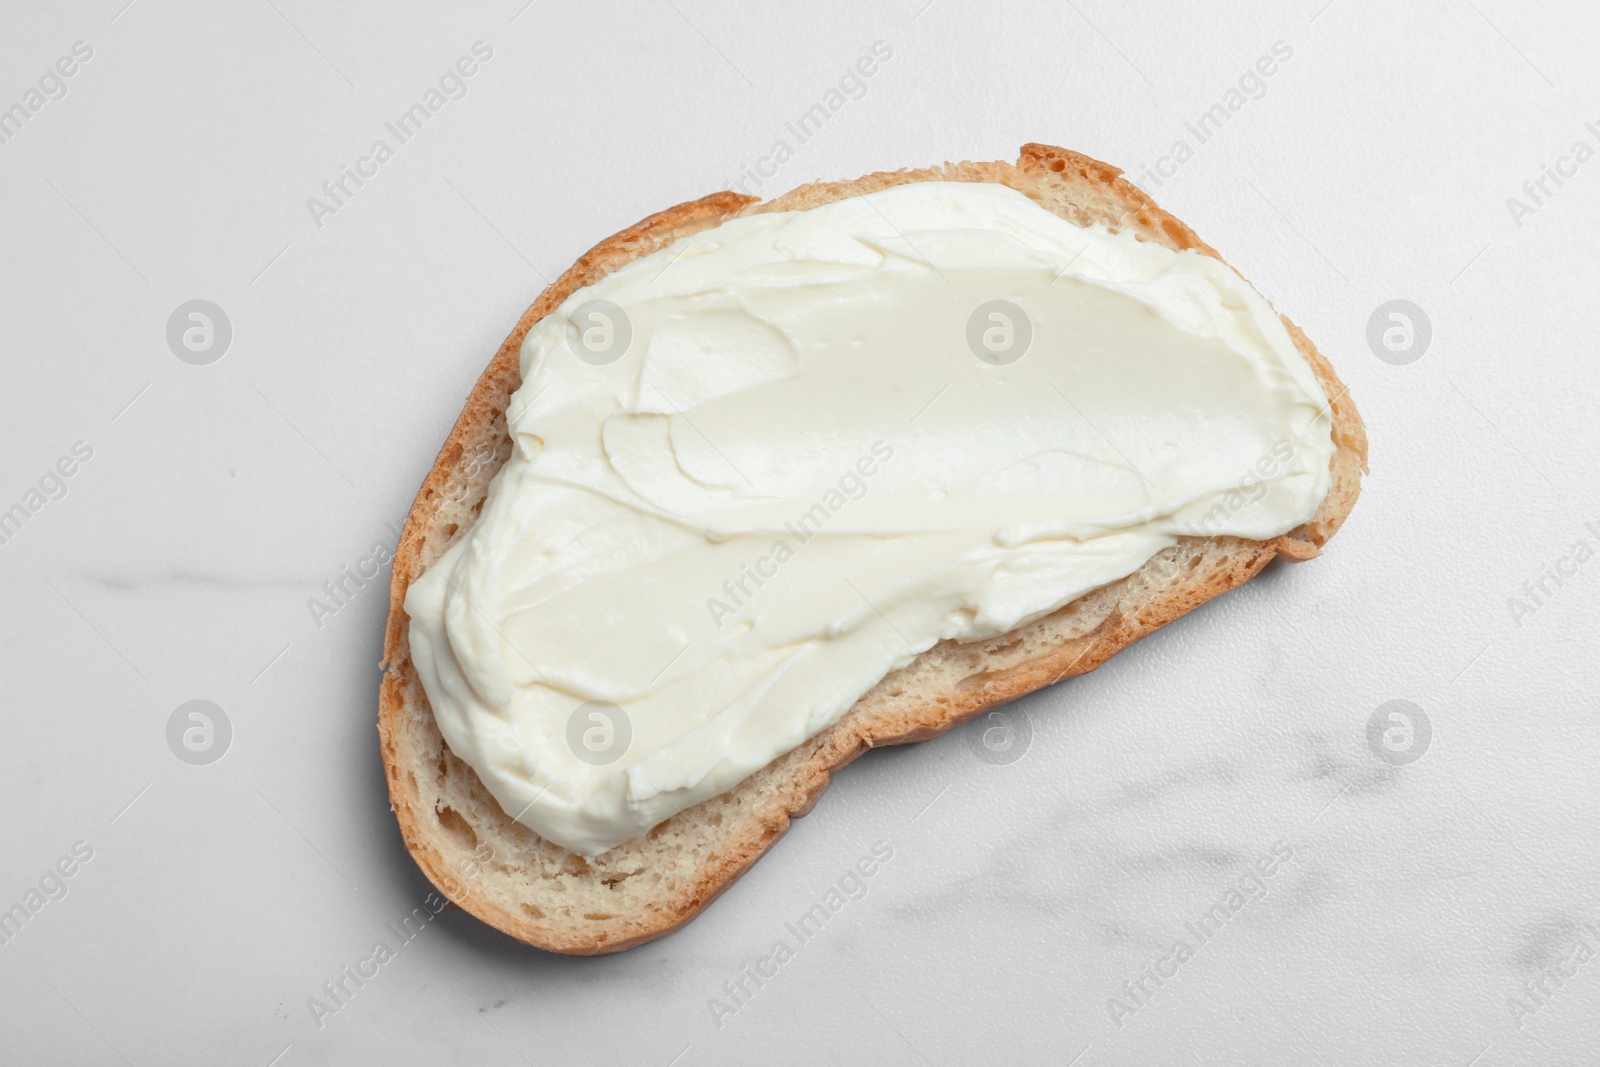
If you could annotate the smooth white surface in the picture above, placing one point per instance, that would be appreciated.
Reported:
(1376, 166)
(804, 408)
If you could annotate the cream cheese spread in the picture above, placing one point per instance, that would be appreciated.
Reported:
(755, 472)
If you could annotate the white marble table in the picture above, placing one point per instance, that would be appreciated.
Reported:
(1055, 908)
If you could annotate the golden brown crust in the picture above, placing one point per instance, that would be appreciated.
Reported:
(759, 811)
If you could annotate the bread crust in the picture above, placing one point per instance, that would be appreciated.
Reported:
(554, 899)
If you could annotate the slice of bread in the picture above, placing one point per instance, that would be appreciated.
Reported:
(543, 894)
